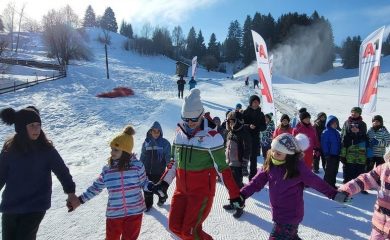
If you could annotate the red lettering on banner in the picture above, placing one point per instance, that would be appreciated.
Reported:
(369, 50)
(262, 52)
(371, 88)
(265, 91)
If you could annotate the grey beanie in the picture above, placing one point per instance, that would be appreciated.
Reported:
(192, 106)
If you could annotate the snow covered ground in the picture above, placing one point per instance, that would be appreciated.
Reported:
(81, 126)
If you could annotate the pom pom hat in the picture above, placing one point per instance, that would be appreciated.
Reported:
(20, 118)
(192, 106)
(288, 144)
(125, 140)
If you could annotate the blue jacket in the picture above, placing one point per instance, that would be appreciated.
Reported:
(330, 138)
(192, 83)
(27, 180)
(156, 153)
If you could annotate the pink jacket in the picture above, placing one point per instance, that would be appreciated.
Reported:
(378, 178)
(310, 132)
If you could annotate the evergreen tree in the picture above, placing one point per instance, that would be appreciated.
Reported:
(162, 41)
(200, 46)
(232, 43)
(247, 50)
(386, 46)
(350, 52)
(126, 29)
(89, 18)
(213, 47)
(108, 21)
(191, 43)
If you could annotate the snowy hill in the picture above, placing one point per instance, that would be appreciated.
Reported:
(81, 126)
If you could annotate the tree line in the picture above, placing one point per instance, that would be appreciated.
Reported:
(63, 33)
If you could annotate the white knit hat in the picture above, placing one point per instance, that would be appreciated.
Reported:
(192, 106)
(288, 144)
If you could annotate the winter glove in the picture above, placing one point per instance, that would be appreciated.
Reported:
(238, 202)
(341, 197)
(160, 189)
(373, 142)
(207, 116)
(343, 160)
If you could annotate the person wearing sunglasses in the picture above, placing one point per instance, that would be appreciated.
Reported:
(196, 149)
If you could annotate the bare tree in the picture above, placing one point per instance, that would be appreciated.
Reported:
(146, 31)
(31, 25)
(63, 41)
(8, 20)
(20, 23)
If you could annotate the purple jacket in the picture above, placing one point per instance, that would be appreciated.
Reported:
(286, 195)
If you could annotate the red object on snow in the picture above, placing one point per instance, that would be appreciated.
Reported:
(117, 92)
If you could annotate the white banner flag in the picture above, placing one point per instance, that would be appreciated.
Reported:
(263, 68)
(194, 65)
(271, 60)
(369, 68)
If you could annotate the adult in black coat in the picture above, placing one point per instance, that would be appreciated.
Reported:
(255, 120)
(180, 86)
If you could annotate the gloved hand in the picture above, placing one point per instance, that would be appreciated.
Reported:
(341, 197)
(238, 202)
(160, 189)
(373, 142)
(207, 116)
(343, 160)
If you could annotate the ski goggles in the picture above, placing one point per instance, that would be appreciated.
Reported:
(191, 119)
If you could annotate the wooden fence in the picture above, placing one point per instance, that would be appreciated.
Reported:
(16, 85)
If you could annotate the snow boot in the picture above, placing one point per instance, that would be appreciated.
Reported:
(238, 213)
(228, 207)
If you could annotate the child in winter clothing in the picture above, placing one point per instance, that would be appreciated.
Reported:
(305, 127)
(155, 155)
(26, 163)
(353, 145)
(124, 177)
(378, 140)
(331, 146)
(284, 126)
(286, 175)
(378, 178)
(266, 136)
(198, 155)
(238, 146)
(319, 126)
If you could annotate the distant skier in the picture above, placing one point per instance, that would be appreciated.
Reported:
(192, 83)
(180, 86)
(246, 81)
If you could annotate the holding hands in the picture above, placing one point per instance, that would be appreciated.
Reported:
(341, 197)
(72, 202)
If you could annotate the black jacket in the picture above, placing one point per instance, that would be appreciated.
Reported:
(255, 117)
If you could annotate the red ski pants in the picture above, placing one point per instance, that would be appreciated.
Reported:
(187, 214)
(129, 227)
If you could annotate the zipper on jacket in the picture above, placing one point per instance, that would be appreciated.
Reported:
(123, 194)
(190, 153)
(151, 161)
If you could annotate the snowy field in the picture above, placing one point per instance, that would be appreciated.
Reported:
(81, 126)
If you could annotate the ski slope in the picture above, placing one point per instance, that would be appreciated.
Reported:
(81, 126)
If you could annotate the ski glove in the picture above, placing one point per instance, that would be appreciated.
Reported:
(343, 160)
(160, 189)
(341, 197)
(317, 153)
(239, 202)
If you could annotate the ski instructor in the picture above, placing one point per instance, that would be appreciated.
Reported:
(198, 156)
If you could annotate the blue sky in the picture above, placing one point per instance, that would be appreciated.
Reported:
(348, 17)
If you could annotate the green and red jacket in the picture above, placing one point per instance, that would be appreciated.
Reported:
(196, 162)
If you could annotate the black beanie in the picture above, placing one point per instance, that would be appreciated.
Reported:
(20, 118)
(357, 110)
(253, 98)
(378, 118)
(301, 110)
(285, 116)
(269, 116)
(303, 115)
(320, 114)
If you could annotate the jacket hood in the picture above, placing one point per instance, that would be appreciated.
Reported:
(157, 126)
(330, 119)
